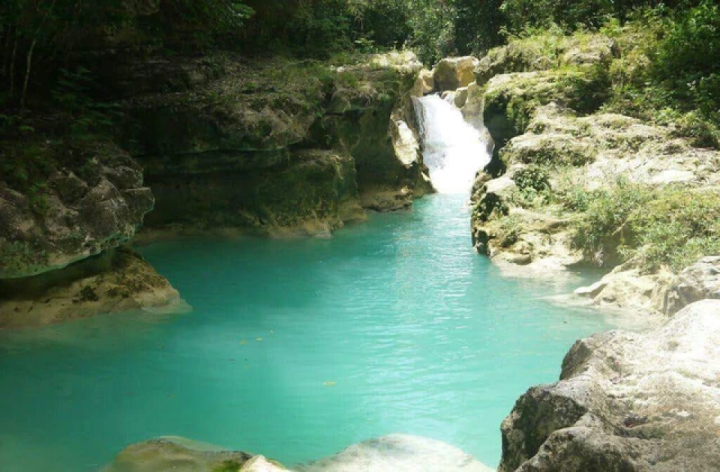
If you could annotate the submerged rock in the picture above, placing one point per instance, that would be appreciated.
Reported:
(115, 282)
(393, 453)
(399, 453)
(626, 402)
(177, 454)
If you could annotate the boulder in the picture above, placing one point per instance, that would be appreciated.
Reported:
(628, 288)
(454, 72)
(511, 100)
(399, 453)
(626, 402)
(178, 454)
(698, 282)
(424, 84)
(78, 212)
(115, 282)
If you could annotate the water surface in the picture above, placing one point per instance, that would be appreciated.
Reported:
(295, 349)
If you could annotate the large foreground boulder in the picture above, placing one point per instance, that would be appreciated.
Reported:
(627, 402)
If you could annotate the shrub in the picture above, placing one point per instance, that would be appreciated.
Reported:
(532, 179)
(654, 227)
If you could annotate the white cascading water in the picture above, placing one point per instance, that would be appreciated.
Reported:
(453, 149)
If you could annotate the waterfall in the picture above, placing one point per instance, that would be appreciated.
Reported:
(453, 149)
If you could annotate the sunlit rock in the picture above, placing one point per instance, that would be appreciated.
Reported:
(398, 452)
(452, 73)
(626, 401)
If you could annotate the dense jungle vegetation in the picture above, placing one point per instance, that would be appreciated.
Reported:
(44, 43)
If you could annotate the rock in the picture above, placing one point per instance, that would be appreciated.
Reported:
(398, 453)
(424, 84)
(79, 212)
(698, 282)
(384, 199)
(314, 193)
(260, 464)
(582, 154)
(177, 454)
(511, 100)
(114, 282)
(628, 288)
(531, 54)
(461, 96)
(591, 291)
(240, 131)
(626, 402)
(454, 72)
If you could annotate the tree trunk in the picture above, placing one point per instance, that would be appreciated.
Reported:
(27, 74)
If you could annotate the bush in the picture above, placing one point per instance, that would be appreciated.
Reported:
(601, 230)
(688, 57)
(532, 179)
(654, 227)
(675, 229)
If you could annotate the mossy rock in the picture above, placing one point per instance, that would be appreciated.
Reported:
(544, 52)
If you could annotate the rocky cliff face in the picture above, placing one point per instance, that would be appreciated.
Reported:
(269, 147)
(626, 402)
(277, 147)
(557, 153)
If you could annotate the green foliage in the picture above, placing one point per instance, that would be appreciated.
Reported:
(675, 229)
(532, 179)
(602, 229)
(87, 115)
(653, 227)
(687, 59)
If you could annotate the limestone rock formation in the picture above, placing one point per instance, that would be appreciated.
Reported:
(698, 282)
(580, 153)
(424, 84)
(181, 455)
(452, 73)
(117, 281)
(288, 148)
(628, 288)
(315, 192)
(626, 402)
(81, 211)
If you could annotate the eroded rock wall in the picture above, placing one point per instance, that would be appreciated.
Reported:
(626, 402)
